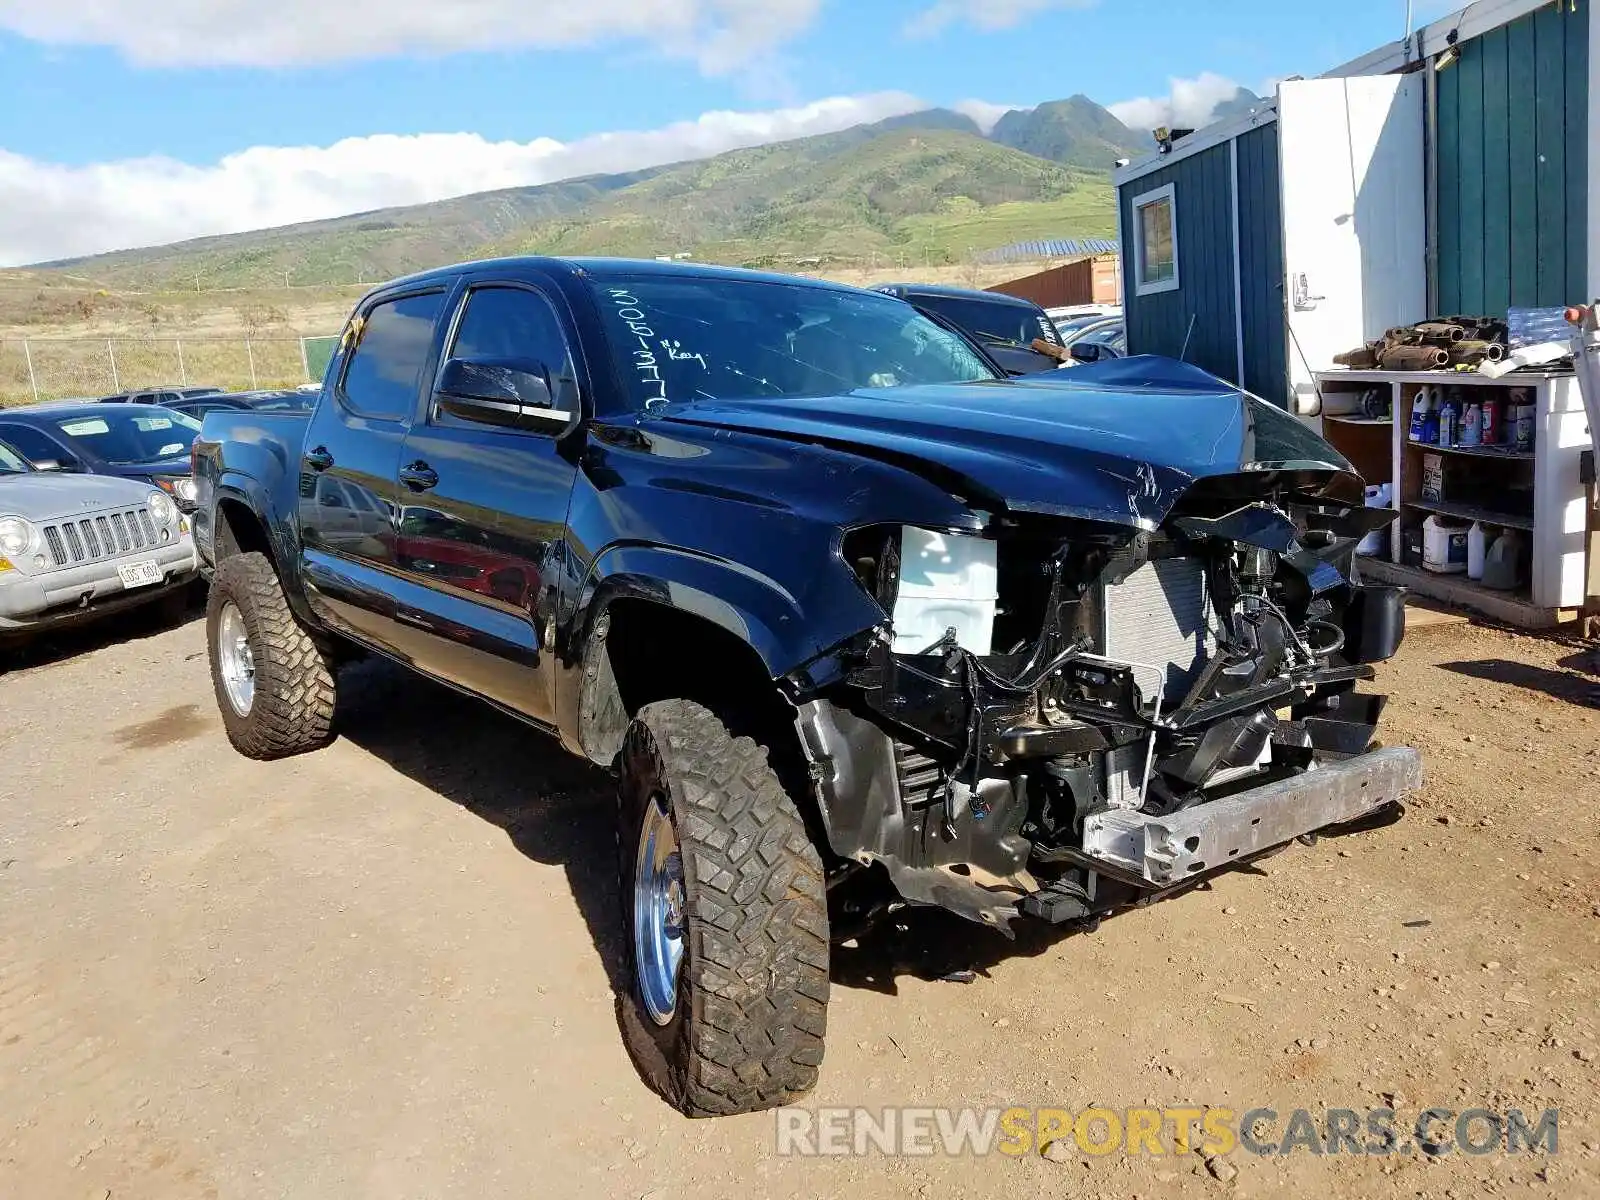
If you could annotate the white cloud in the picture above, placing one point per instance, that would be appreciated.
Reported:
(1189, 105)
(54, 211)
(984, 14)
(721, 35)
(985, 114)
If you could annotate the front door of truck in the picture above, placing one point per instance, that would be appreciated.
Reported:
(483, 508)
(349, 461)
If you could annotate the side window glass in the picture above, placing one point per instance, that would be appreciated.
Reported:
(30, 443)
(386, 368)
(504, 322)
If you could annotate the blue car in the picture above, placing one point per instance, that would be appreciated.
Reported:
(145, 442)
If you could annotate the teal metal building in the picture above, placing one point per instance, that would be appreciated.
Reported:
(1472, 145)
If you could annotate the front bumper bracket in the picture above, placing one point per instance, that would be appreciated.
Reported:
(1171, 849)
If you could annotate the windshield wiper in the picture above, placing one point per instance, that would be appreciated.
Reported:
(994, 339)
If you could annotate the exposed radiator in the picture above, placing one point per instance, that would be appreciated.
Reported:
(1161, 615)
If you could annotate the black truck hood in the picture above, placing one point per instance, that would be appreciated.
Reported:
(1118, 442)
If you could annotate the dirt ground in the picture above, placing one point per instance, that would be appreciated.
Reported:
(385, 970)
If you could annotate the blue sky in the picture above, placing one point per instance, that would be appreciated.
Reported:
(142, 103)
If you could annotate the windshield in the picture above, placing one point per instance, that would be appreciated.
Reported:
(125, 439)
(687, 338)
(11, 463)
(992, 320)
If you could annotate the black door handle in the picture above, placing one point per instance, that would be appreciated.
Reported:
(319, 459)
(419, 477)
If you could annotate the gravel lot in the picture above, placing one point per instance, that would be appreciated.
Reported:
(385, 970)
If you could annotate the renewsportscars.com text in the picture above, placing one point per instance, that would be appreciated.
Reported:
(1016, 1131)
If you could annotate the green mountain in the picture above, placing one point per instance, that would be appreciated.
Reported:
(927, 187)
(1241, 102)
(1077, 132)
(838, 197)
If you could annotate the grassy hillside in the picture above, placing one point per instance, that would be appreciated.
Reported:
(904, 193)
(367, 246)
(926, 188)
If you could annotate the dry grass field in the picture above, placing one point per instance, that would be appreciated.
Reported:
(240, 338)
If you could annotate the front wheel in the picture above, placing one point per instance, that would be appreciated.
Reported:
(725, 918)
(274, 686)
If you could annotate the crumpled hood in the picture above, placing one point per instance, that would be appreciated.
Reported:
(47, 495)
(1118, 445)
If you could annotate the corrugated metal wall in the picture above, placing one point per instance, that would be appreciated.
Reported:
(1261, 265)
(1070, 283)
(1087, 281)
(1513, 165)
(1157, 324)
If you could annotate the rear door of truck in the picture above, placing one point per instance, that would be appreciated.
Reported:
(350, 460)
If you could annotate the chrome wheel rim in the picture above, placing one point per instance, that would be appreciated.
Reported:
(658, 920)
(235, 660)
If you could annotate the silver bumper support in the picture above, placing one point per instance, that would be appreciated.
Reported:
(1168, 850)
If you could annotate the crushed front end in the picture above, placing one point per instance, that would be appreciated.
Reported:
(1150, 704)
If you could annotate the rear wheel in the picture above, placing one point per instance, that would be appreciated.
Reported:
(724, 915)
(274, 687)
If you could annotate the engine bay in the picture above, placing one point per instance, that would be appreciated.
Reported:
(1093, 690)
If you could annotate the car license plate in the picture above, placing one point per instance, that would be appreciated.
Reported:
(140, 574)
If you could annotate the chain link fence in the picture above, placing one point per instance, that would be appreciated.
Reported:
(57, 368)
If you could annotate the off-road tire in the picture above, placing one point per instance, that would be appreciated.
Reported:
(292, 711)
(752, 995)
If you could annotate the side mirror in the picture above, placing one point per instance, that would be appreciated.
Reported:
(1085, 352)
(510, 392)
(64, 465)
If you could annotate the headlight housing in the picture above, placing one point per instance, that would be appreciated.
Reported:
(16, 535)
(162, 509)
(185, 488)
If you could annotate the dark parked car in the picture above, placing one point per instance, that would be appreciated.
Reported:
(135, 441)
(858, 621)
(1006, 326)
(1097, 341)
(199, 406)
(167, 394)
(276, 400)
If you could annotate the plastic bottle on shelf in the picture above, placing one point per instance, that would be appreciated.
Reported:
(1472, 424)
(1419, 415)
(1490, 433)
(1430, 420)
(1523, 430)
(1502, 566)
(1444, 545)
(1450, 418)
(1477, 549)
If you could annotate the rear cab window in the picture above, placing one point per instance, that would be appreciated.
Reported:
(384, 371)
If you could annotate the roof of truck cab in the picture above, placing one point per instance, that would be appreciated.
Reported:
(606, 267)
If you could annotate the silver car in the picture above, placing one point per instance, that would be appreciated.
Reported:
(73, 547)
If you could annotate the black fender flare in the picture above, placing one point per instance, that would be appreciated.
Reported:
(759, 611)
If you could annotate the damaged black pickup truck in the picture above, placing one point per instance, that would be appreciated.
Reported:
(858, 621)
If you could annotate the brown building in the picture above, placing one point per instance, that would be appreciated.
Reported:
(1095, 280)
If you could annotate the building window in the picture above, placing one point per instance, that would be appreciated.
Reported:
(1155, 242)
